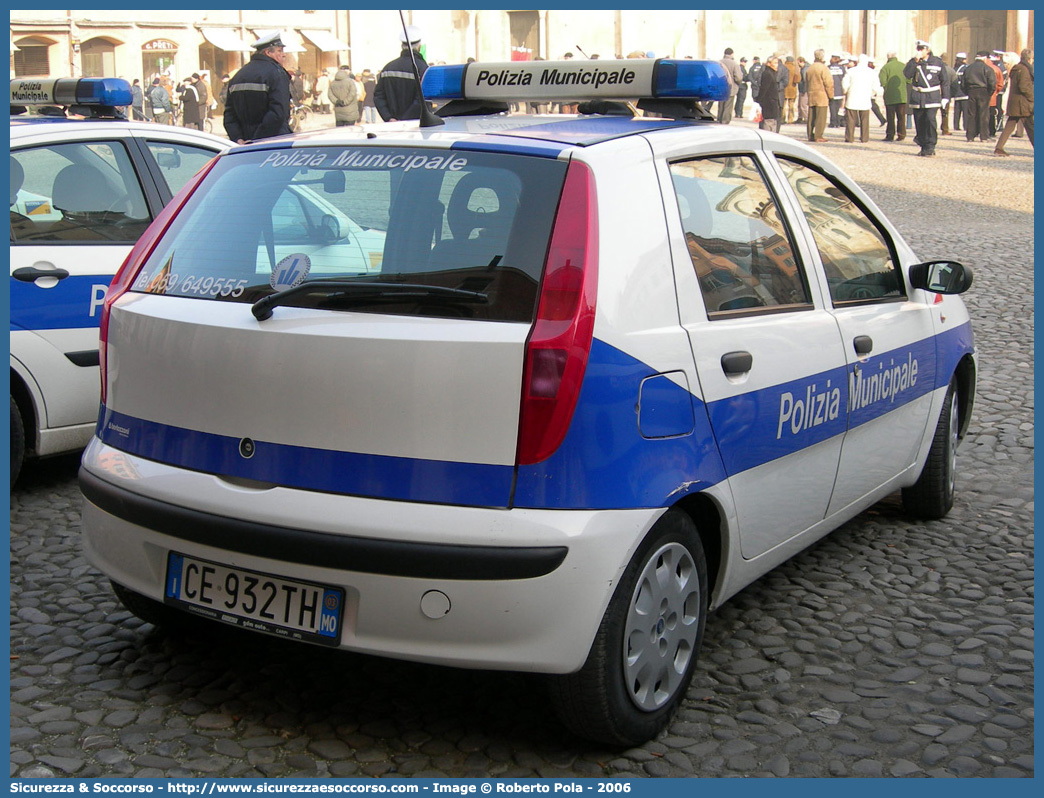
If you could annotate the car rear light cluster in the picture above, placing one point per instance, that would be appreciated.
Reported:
(560, 341)
(125, 277)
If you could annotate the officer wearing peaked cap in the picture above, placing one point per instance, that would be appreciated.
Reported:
(929, 89)
(397, 95)
(258, 104)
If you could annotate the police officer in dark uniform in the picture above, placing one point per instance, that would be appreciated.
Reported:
(928, 88)
(958, 96)
(980, 82)
(837, 72)
(397, 95)
(741, 90)
(258, 103)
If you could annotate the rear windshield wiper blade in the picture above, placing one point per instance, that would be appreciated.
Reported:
(262, 309)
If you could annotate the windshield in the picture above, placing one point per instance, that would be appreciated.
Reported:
(268, 221)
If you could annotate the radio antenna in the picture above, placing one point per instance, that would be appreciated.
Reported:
(427, 118)
(581, 51)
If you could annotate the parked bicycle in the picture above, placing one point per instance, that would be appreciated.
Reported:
(179, 117)
(298, 114)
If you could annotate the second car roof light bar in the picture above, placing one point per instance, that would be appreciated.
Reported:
(93, 97)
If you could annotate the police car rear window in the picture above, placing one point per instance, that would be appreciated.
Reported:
(409, 231)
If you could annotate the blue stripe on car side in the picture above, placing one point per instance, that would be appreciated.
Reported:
(66, 306)
(604, 462)
(952, 345)
(757, 427)
(351, 473)
(890, 380)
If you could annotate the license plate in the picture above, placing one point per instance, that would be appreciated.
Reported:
(251, 600)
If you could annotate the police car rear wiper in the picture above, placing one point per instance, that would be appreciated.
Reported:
(262, 309)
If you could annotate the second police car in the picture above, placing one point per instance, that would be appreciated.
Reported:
(518, 392)
(82, 191)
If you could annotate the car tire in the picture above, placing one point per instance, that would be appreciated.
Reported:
(150, 610)
(17, 441)
(931, 496)
(644, 653)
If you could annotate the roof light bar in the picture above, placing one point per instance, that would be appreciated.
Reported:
(609, 79)
(101, 92)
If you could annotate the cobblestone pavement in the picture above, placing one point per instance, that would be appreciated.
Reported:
(891, 648)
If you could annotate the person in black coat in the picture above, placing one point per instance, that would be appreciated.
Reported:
(768, 95)
(979, 82)
(397, 95)
(258, 105)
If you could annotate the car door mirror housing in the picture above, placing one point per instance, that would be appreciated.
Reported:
(941, 277)
(329, 228)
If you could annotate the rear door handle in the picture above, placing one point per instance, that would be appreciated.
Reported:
(736, 363)
(30, 274)
(863, 344)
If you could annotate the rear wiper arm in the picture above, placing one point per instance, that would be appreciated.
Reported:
(262, 309)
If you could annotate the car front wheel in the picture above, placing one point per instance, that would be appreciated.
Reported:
(932, 495)
(643, 656)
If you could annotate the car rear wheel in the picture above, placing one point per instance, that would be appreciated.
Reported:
(17, 441)
(932, 495)
(643, 656)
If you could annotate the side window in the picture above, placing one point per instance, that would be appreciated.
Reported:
(740, 247)
(83, 192)
(859, 262)
(178, 162)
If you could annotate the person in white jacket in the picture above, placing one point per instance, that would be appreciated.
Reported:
(858, 88)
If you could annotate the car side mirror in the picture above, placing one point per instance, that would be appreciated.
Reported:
(333, 182)
(329, 228)
(941, 277)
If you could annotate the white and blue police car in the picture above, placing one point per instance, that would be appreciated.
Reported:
(84, 186)
(516, 392)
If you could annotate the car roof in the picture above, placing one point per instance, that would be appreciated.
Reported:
(29, 126)
(533, 134)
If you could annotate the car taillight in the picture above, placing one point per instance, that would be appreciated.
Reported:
(560, 341)
(127, 273)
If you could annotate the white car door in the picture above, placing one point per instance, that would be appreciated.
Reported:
(768, 353)
(83, 210)
(888, 337)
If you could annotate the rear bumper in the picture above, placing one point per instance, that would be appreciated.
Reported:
(527, 588)
(310, 548)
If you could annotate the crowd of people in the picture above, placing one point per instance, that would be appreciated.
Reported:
(258, 112)
(166, 102)
(919, 94)
(991, 93)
